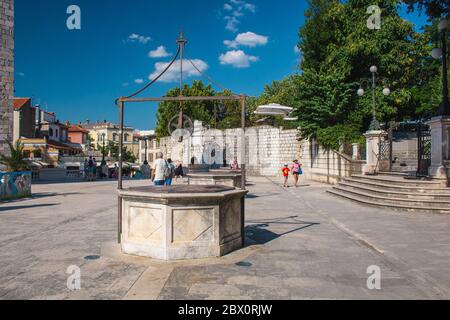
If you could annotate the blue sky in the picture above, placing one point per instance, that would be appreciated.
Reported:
(243, 45)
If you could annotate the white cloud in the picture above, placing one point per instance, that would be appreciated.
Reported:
(232, 23)
(237, 59)
(250, 7)
(21, 74)
(296, 49)
(236, 9)
(173, 74)
(248, 39)
(125, 84)
(134, 37)
(139, 81)
(159, 52)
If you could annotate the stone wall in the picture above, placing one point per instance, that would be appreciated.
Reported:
(325, 165)
(6, 72)
(267, 149)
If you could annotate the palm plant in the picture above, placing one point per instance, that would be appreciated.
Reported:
(14, 162)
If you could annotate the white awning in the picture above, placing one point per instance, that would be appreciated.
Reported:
(274, 109)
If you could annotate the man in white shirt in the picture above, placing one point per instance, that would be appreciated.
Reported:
(159, 167)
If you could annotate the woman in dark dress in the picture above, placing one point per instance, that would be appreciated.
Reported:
(179, 171)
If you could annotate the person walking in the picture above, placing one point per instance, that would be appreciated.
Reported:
(179, 171)
(286, 171)
(234, 164)
(159, 169)
(86, 169)
(95, 169)
(296, 171)
(90, 169)
(169, 172)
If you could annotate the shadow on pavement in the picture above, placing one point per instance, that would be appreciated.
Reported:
(259, 234)
(27, 207)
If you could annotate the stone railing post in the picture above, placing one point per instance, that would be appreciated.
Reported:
(355, 151)
(440, 147)
(373, 141)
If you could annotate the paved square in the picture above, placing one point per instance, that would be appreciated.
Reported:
(302, 243)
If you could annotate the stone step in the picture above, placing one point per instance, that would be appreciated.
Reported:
(409, 195)
(396, 200)
(400, 181)
(396, 174)
(386, 186)
(396, 206)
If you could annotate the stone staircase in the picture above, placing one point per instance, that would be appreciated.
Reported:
(395, 191)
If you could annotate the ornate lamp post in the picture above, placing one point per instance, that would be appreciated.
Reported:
(438, 53)
(372, 82)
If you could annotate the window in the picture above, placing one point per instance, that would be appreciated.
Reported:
(114, 137)
(125, 137)
(50, 132)
(150, 157)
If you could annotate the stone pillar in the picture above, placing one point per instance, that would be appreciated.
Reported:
(373, 140)
(6, 72)
(440, 146)
(355, 151)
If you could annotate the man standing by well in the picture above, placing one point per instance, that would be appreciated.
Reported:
(159, 168)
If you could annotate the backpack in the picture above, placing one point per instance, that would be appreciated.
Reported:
(168, 170)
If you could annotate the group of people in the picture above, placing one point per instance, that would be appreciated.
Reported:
(163, 171)
(90, 169)
(297, 171)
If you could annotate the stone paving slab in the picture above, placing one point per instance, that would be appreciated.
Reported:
(302, 243)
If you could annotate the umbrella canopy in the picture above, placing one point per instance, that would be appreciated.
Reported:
(274, 109)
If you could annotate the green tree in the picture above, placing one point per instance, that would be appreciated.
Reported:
(338, 50)
(433, 8)
(14, 162)
(113, 150)
(215, 114)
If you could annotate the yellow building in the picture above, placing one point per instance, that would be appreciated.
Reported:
(109, 132)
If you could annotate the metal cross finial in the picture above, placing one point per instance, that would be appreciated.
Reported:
(181, 39)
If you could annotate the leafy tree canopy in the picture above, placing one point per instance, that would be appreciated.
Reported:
(433, 8)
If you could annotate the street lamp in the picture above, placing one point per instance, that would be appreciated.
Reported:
(374, 125)
(145, 155)
(438, 53)
(103, 150)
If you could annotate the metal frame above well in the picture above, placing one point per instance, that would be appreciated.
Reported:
(120, 102)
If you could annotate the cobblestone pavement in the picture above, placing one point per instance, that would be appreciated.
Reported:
(302, 243)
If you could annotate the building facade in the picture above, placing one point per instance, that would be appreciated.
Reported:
(24, 119)
(6, 72)
(107, 132)
(148, 138)
(79, 135)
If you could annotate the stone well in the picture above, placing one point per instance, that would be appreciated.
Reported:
(231, 179)
(182, 221)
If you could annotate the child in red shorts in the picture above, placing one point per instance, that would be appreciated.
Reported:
(286, 171)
